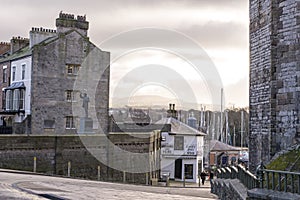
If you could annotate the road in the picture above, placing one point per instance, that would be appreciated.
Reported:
(31, 186)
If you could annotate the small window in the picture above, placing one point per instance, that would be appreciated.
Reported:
(4, 75)
(178, 143)
(70, 95)
(13, 73)
(70, 122)
(72, 69)
(23, 71)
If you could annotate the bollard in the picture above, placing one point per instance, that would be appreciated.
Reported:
(168, 181)
(98, 172)
(69, 169)
(124, 177)
(34, 164)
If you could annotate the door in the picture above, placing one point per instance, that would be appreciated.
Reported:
(178, 168)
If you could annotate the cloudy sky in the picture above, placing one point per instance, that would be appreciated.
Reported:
(218, 27)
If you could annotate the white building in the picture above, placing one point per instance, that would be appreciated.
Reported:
(18, 93)
(181, 151)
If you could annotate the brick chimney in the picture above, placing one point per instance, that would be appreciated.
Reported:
(4, 48)
(18, 43)
(67, 22)
(172, 112)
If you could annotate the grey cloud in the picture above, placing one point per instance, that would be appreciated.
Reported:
(219, 34)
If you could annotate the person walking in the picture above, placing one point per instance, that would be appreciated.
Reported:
(203, 176)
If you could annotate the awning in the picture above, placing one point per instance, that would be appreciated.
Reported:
(16, 85)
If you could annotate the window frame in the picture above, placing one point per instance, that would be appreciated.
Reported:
(179, 142)
(70, 122)
(4, 75)
(13, 73)
(23, 67)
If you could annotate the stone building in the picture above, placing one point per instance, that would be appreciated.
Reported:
(274, 78)
(55, 60)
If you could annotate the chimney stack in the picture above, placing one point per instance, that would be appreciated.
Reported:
(18, 43)
(66, 22)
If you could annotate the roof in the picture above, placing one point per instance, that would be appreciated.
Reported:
(24, 52)
(16, 85)
(180, 128)
(216, 145)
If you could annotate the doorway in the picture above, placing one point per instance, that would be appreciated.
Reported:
(178, 168)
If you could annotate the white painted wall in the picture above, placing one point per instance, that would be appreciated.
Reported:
(193, 148)
(27, 81)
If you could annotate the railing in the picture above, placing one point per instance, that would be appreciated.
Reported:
(249, 180)
(280, 180)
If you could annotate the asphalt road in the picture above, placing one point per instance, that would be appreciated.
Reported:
(31, 186)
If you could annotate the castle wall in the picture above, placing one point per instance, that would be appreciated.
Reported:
(274, 70)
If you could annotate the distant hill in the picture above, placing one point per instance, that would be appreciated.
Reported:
(154, 102)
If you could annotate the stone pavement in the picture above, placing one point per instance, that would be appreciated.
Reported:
(30, 186)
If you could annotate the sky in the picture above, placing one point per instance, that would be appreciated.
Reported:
(218, 27)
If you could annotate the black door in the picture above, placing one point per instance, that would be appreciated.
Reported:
(178, 168)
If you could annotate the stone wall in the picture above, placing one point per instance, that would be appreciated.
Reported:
(51, 81)
(54, 152)
(274, 78)
(228, 189)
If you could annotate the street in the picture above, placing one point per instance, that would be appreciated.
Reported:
(31, 186)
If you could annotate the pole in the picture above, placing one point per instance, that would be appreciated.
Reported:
(34, 164)
(221, 123)
(124, 177)
(69, 168)
(98, 172)
(147, 178)
(242, 127)
(234, 135)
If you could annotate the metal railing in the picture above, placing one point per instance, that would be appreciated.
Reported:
(249, 180)
(282, 181)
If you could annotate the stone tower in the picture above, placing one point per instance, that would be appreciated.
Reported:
(274, 77)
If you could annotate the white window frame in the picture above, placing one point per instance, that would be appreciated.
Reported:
(23, 66)
(13, 73)
(70, 122)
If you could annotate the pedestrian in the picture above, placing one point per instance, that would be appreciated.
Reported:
(211, 175)
(203, 175)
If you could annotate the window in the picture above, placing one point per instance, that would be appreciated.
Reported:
(178, 143)
(72, 69)
(4, 75)
(22, 99)
(3, 100)
(70, 122)
(9, 99)
(188, 171)
(13, 73)
(48, 123)
(70, 95)
(23, 71)
(16, 99)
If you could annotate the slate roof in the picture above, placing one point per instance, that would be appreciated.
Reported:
(178, 127)
(216, 145)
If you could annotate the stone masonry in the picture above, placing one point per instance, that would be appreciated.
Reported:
(274, 77)
(51, 79)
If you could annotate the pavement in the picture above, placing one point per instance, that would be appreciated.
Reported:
(18, 185)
